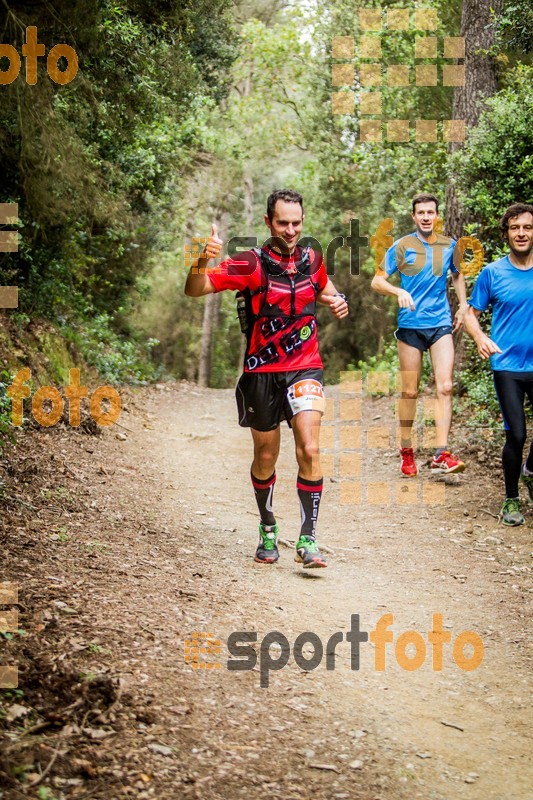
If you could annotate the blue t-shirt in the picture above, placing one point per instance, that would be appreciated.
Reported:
(423, 272)
(509, 291)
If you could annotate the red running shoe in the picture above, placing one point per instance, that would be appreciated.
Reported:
(446, 463)
(408, 466)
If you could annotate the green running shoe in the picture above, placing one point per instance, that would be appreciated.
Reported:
(510, 512)
(308, 554)
(528, 480)
(267, 549)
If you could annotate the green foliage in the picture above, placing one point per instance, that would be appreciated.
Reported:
(514, 27)
(388, 361)
(118, 359)
(16, 695)
(226, 343)
(476, 383)
(343, 178)
(495, 169)
(6, 431)
(98, 165)
(45, 793)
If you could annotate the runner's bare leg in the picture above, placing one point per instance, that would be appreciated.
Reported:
(266, 452)
(442, 357)
(306, 429)
(410, 371)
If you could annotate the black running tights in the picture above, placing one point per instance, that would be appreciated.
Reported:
(511, 389)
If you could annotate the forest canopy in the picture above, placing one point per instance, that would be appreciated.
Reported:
(184, 113)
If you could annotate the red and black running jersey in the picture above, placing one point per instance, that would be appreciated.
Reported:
(283, 296)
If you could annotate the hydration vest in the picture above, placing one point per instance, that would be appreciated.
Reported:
(282, 302)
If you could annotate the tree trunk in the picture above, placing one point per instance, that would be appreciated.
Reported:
(204, 366)
(249, 225)
(249, 204)
(211, 314)
(480, 83)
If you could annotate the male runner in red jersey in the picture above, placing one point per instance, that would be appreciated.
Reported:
(283, 371)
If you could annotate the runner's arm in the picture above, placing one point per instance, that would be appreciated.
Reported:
(329, 290)
(485, 346)
(337, 303)
(381, 285)
(460, 290)
(198, 283)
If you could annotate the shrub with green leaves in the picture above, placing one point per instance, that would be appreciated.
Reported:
(495, 169)
(117, 357)
(5, 410)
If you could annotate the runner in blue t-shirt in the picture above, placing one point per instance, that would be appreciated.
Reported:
(423, 260)
(507, 286)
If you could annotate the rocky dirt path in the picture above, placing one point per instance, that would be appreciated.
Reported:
(136, 544)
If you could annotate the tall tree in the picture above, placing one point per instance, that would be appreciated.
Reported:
(480, 83)
(211, 315)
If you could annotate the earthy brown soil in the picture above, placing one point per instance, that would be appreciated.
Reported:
(122, 548)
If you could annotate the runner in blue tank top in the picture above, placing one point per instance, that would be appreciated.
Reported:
(424, 259)
(507, 286)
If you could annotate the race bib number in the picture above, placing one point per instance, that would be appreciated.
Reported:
(306, 395)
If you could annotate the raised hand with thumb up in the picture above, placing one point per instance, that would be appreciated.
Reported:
(213, 245)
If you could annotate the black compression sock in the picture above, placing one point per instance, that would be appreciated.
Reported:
(264, 491)
(309, 493)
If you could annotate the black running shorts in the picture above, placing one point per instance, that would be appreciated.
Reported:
(264, 399)
(422, 338)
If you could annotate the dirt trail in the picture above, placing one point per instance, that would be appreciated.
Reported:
(164, 548)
